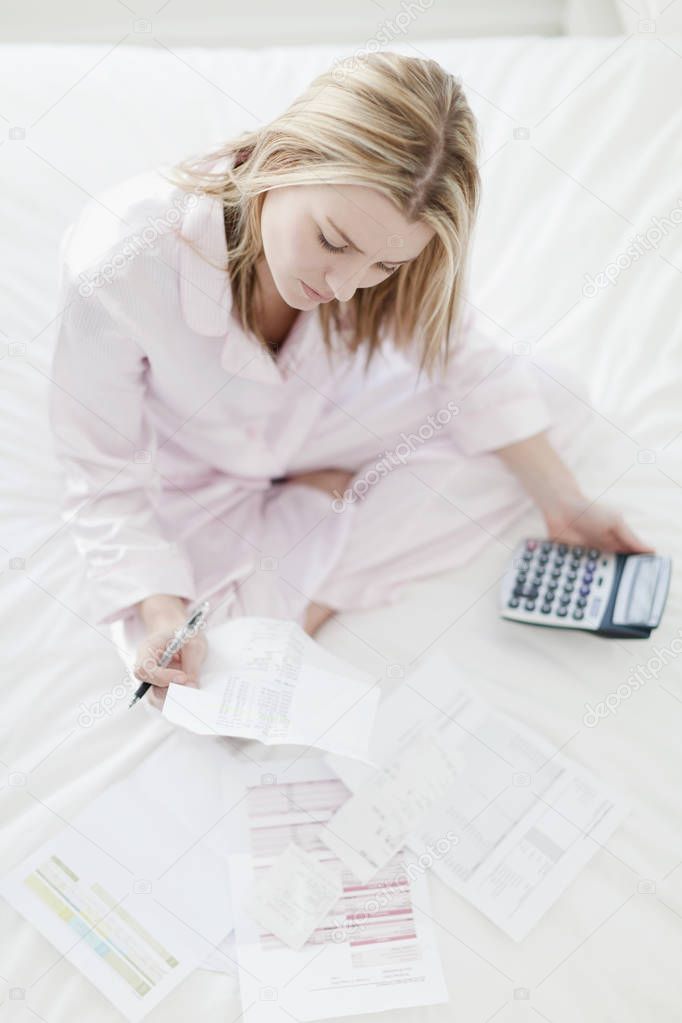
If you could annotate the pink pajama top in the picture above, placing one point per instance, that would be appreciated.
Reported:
(159, 392)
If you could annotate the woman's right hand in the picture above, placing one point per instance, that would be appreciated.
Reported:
(162, 616)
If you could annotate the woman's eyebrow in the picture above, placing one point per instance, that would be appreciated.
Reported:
(354, 246)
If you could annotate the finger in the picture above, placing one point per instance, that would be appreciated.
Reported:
(610, 541)
(632, 542)
(151, 672)
(193, 655)
(156, 696)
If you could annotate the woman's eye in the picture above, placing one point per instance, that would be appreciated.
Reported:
(333, 248)
(328, 245)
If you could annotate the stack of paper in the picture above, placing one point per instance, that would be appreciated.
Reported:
(319, 866)
(519, 820)
(375, 949)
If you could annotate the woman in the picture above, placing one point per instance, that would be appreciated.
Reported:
(270, 385)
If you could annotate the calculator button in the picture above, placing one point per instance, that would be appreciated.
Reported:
(564, 600)
(578, 613)
(580, 602)
(591, 565)
(563, 548)
(584, 591)
(531, 545)
(513, 602)
(546, 608)
(568, 588)
(578, 551)
(558, 562)
(546, 548)
(529, 605)
(562, 612)
(556, 573)
(571, 577)
(593, 553)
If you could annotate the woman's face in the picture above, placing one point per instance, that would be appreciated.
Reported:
(368, 236)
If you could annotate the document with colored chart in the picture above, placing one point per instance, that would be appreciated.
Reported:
(134, 891)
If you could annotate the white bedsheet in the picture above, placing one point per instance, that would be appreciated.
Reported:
(582, 145)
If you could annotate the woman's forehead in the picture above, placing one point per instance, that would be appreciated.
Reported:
(367, 217)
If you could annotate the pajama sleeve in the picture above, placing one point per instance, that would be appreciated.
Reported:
(106, 449)
(497, 394)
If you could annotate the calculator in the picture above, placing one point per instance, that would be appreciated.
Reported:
(575, 587)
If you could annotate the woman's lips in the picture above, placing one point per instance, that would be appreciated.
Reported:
(311, 293)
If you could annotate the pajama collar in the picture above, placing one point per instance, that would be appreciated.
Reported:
(206, 301)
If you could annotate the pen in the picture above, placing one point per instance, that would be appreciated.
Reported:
(187, 631)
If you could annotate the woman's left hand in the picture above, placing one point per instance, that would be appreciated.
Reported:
(578, 520)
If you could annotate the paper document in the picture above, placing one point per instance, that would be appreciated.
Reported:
(373, 825)
(134, 892)
(519, 820)
(295, 895)
(265, 679)
(374, 950)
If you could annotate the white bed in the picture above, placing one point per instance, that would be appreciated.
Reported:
(582, 147)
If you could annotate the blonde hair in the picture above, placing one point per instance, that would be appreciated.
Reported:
(396, 124)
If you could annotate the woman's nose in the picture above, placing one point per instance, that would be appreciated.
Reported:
(344, 282)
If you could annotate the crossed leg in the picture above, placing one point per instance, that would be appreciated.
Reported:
(330, 481)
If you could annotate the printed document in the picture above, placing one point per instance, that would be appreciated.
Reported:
(265, 679)
(519, 820)
(376, 947)
(134, 892)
